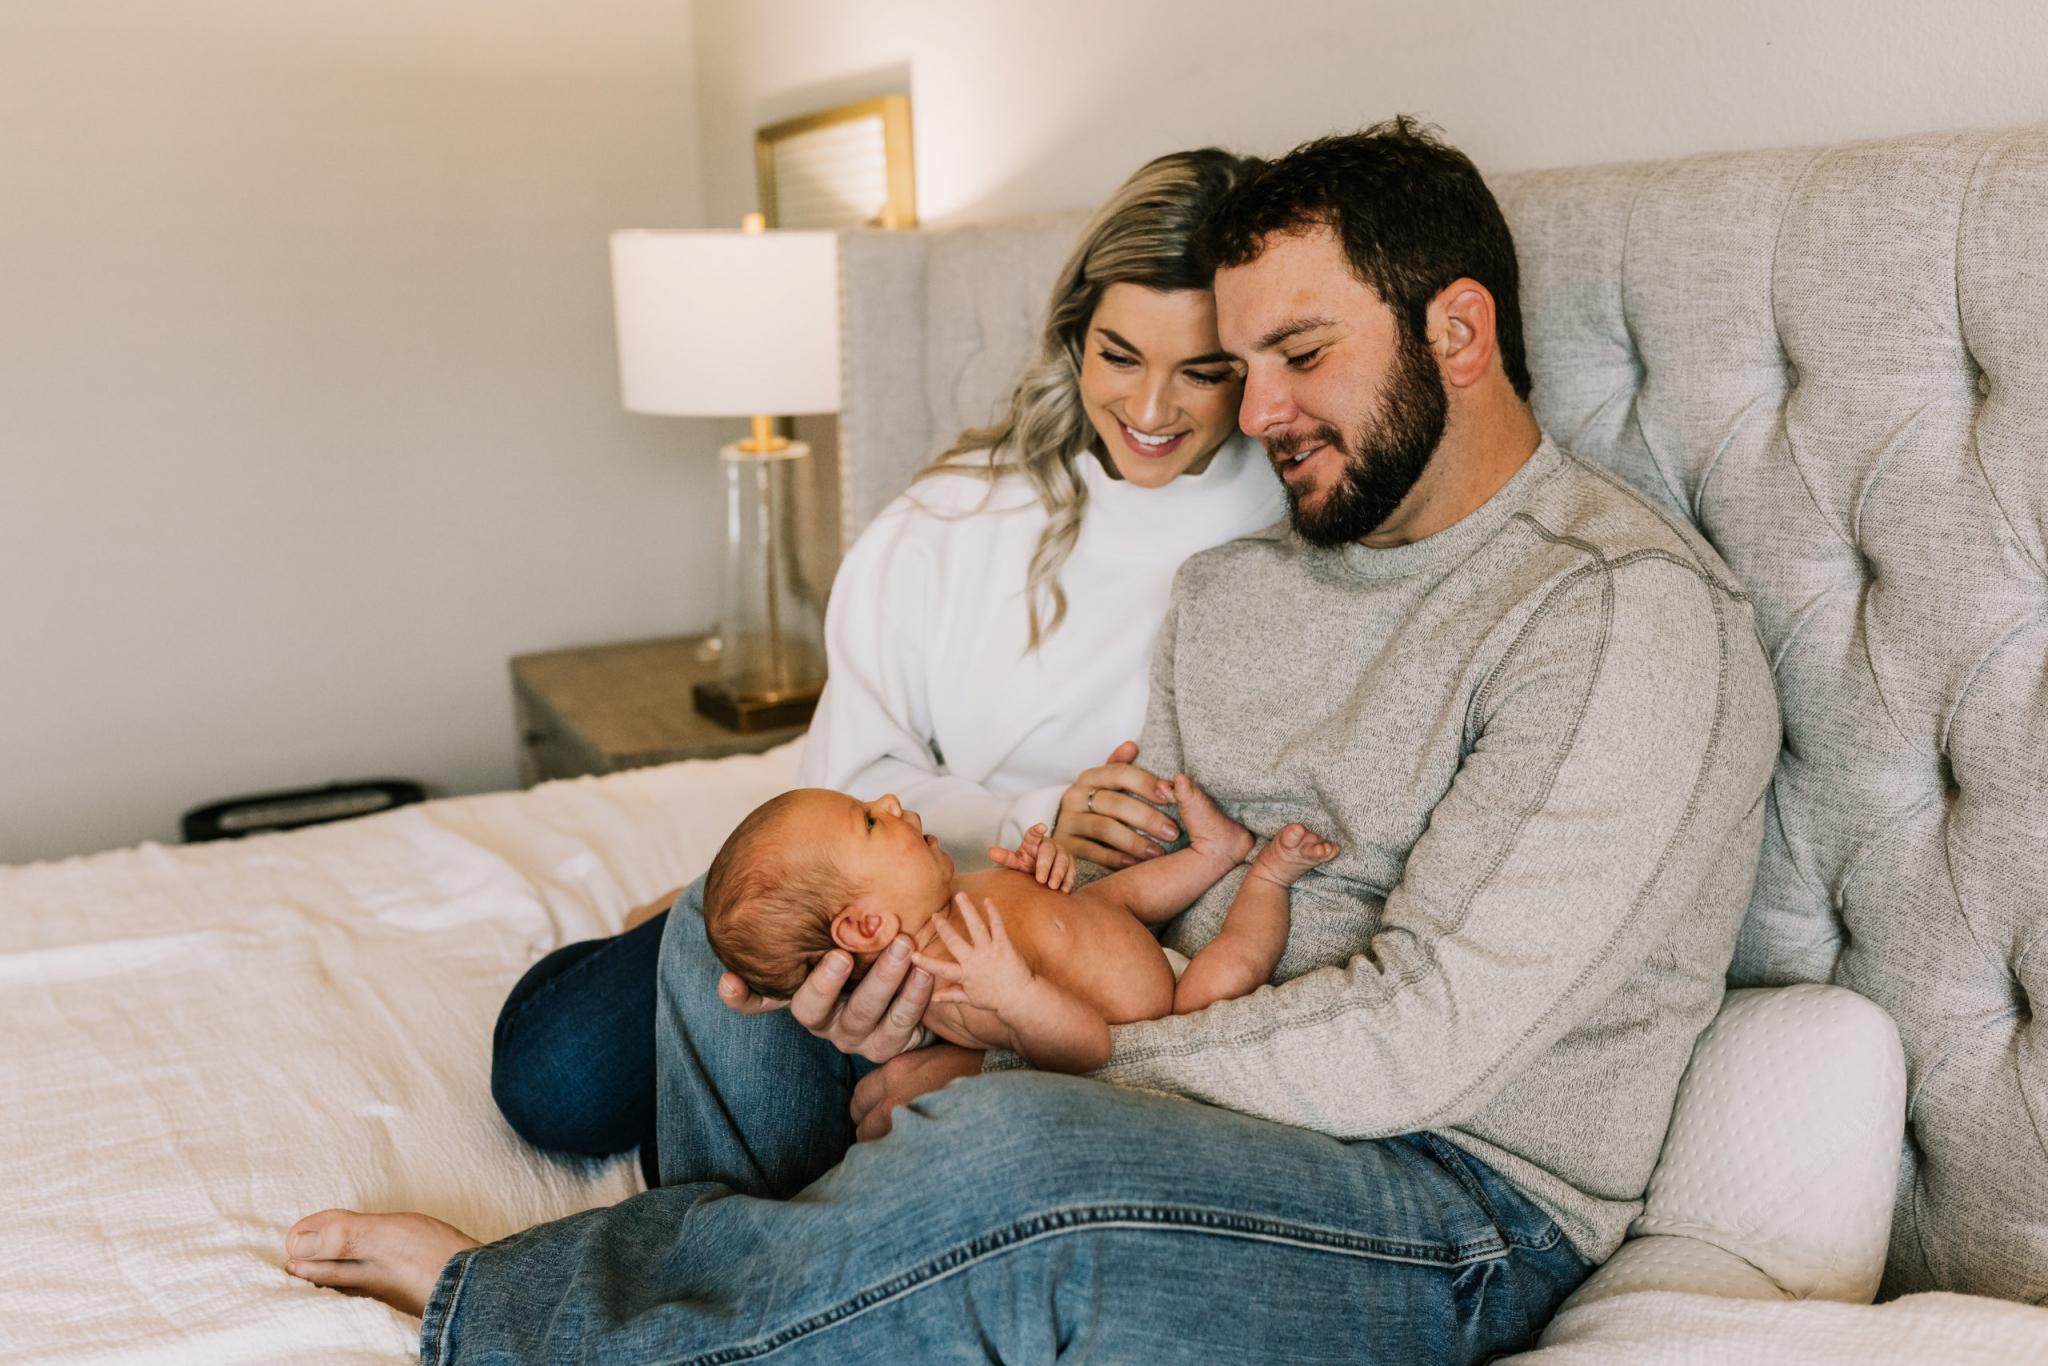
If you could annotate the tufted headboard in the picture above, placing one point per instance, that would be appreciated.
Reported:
(1835, 362)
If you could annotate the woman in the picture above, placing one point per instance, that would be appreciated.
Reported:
(989, 636)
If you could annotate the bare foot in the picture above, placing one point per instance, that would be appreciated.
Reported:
(395, 1258)
(1209, 830)
(1292, 852)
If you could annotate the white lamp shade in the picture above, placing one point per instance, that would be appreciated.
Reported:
(727, 324)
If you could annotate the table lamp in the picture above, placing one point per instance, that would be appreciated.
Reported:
(741, 324)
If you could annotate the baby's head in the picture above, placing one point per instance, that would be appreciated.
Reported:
(814, 870)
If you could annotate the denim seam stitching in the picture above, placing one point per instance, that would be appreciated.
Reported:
(1457, 1162)
(448, 1310)
(1057, 1222)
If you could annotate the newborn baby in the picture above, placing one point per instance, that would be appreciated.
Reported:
(814, 870)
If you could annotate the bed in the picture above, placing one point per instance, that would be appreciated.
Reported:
(206, 1042)
(1832, 360)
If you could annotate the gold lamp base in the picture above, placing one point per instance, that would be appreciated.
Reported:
(749, 714)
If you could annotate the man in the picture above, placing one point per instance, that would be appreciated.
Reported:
(1535, 714)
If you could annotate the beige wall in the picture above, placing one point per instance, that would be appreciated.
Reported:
(308, 412)
(308, 416)
(1049, 104)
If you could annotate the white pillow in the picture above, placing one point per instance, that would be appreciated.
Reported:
(1779, 1170)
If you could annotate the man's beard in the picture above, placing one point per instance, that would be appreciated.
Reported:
(1382, 459)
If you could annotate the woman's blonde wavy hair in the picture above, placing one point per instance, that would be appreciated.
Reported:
(1144, 236)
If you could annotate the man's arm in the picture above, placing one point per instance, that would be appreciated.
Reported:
(1159, 741)
(1620, 753)
(1159, 746)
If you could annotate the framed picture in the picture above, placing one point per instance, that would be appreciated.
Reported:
(848, 167)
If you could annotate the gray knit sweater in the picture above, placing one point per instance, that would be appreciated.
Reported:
(1542, 737)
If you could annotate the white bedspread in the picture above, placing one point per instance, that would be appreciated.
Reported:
(1663, 1328)
(204, 1043)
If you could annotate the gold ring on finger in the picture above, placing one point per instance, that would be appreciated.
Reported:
(1089, 805)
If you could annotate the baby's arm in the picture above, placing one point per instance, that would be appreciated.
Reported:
(1037, 857)
(1244, 952)
(1052, 1028)
(1159, 889)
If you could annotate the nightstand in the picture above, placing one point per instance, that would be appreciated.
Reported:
(612, 707)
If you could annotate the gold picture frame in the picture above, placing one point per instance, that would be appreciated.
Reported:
(848, 167)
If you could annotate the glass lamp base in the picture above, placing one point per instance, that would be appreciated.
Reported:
(771, 662)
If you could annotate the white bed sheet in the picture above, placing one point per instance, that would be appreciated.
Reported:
(204, 1043)
(1665, 1328)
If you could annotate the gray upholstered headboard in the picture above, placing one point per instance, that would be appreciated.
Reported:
(1835, 362)
(937, 327)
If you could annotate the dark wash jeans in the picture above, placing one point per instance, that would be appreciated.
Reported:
(572, 1057)
(1020, 1217)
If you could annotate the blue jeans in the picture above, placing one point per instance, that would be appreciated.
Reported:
(1013, 1217)
(572, 1057)
(573, 1066)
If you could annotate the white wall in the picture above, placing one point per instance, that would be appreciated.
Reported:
(308, 416)
(308, 411)
(1049, 104)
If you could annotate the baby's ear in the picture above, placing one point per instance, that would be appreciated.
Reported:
(864, 931)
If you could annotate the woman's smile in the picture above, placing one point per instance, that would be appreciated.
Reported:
(1154, 383)
(1147, 446)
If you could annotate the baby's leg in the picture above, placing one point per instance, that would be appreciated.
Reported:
(1244, 952)
(1159, 889)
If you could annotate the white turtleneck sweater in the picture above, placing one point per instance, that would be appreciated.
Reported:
(932, 694)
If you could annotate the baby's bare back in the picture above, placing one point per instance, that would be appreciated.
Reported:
(1095, 949)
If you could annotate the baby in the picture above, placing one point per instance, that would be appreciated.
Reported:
(814, 870)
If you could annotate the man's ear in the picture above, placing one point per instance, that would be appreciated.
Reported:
(1461, 331)
(863, 931)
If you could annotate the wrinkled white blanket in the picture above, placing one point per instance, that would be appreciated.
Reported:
(204, 1043)
(1662, 1328)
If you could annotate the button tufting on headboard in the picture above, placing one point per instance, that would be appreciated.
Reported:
(1834, 362)
(1846, 376)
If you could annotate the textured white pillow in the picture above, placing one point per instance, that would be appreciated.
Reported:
(1780, 1167)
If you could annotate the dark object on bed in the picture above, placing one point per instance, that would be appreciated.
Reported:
(264, 812)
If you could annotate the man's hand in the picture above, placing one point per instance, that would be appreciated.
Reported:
(1104, 817)
(1036, 856)
(904, 1079)
(876, 1021)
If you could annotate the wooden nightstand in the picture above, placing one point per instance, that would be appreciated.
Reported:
(613, 707)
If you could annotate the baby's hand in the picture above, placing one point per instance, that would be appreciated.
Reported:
(1037, 855)
(987, 971)
(1292, 852)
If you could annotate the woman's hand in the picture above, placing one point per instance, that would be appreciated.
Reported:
(1103, 816)
(876, 1021)
(904, 1079)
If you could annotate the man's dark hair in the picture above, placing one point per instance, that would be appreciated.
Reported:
(1411, 210)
